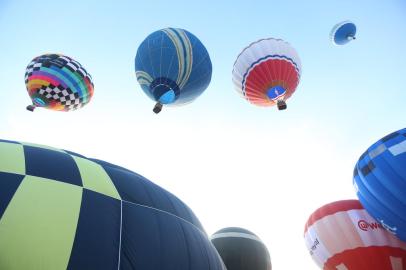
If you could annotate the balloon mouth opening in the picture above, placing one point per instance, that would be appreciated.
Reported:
(38, 102)
(275, 93)
(164, 90)
(167, 97)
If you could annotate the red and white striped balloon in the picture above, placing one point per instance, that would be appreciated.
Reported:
(265, 66)
(343, 236)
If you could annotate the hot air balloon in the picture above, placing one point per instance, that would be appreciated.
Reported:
(57, 82)
(380, 182)
(61, 210)
(240, 249)
(343, 236)
(267, 72)
(173, 67)
(343, 32)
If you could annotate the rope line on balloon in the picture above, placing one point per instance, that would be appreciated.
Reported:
(121, 230)
(162, 211)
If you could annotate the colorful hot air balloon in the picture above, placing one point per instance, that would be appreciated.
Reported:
(343, 32)
(380, 182)
(60, 210)
(343, 236)
(173, 67)
(57, 82)
(240, 249)
(267, 72)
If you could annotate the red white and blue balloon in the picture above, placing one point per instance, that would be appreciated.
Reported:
(267, 72)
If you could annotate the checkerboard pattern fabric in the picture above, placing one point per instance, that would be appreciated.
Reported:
(380, 182)
(61, 210)
(58, 82)
(65, 96)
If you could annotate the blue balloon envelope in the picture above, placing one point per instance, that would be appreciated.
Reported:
(173, 67)
(380, 182)
(343, 32)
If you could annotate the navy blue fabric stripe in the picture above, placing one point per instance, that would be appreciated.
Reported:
(74, 154)
(390, 136)
(9, 184)
(51, 164)
(130, 186)
(368, 168)
(184, 211)
(155, 240)
(134, 188)
(106, 165)
(97, 239)
(203, 254)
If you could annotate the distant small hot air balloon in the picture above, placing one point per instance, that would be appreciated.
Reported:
(173, 67)
(343, 32)
(343, 236)
(267, 72)
(240, 249)
(380, 182)
(57, 82)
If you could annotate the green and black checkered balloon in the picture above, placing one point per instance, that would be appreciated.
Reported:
(61, 210)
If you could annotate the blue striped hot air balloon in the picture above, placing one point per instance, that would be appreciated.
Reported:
(173, 67)
(380, 182)
(61, 210)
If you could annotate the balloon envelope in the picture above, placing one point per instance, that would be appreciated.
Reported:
(58, 82)
(343, 236)
(60, 210)
(343, 32)
(172, 66)
(380, 182)
(267, 71)
(240, 249)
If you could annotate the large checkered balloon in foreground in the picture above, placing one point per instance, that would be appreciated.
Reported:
(343, 236)
(61, 210)
(173, 67)
(380, 182)
(267, 72)
(57, 82)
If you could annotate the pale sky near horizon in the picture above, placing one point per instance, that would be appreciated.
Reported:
(233, 163)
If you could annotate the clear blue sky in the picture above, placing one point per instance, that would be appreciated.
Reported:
(220, 154)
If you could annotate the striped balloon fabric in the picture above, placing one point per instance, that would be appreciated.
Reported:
(61, 210)
(57, 82)
(267, 72)
(380, 182)
(343, 236)
(173, 67)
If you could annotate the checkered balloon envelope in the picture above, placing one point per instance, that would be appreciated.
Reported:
(62, 210)
(380, 182)
(57, 82)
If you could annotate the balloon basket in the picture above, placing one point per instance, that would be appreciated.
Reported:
(157, 108)
(31, 108)
(281, 105)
